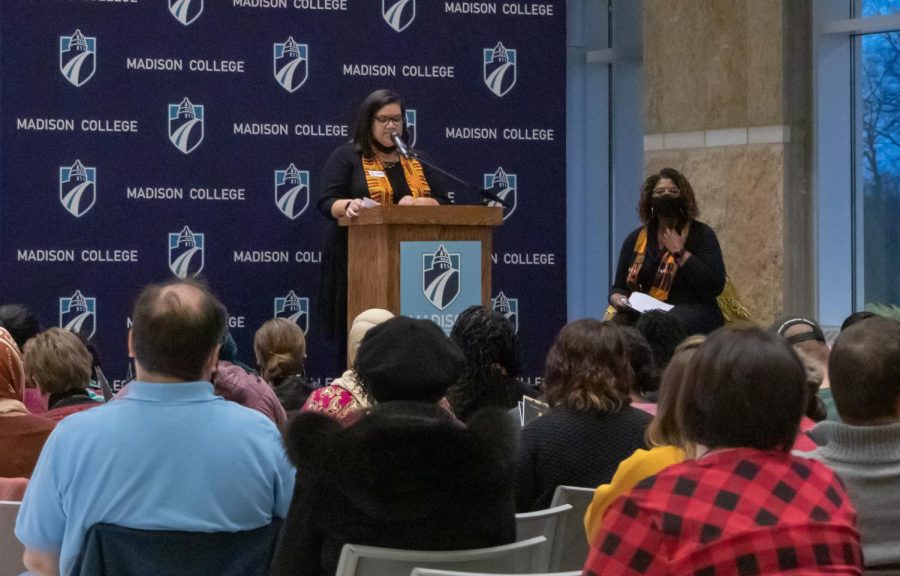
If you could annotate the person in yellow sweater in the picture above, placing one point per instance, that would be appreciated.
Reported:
(661, 435)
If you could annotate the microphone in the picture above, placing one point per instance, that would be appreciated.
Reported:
(401, 146)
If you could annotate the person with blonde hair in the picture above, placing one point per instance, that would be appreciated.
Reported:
(59, 363)
(345, 394)
(590, 427)
(280, 348)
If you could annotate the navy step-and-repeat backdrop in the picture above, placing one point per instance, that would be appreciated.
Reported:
(143, 139)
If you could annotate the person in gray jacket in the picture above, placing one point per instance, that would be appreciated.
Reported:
(864, 448)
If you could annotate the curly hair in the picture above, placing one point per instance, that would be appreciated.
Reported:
(640, 356)
(587, 368)
(664, 332)
(687, 192)
(489, 341)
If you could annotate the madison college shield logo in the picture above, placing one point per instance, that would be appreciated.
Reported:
(77, 57)
(186, 11)
(292, 191)
(410, 120)
(186, 125)
(185, 253)
(291, 64)
(509, 307)
(503, 185)
(399, 14)
(78, 314)
(77, 188)
(499, 69)
(440, 277)
(293, 308)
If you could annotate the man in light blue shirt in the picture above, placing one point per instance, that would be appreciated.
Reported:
(171, 455)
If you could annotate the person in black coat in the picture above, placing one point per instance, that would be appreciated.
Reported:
(405, 475)
(673, 256)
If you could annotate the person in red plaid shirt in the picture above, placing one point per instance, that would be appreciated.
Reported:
(741, 504)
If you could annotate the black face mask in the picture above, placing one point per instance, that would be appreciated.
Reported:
(668, 206)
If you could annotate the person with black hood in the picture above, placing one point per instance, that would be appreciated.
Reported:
(404, 473)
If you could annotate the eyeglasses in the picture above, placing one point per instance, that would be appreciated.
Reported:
(397, 120)
(661, 191)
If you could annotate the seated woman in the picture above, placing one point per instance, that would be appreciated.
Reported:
(60, 365)
(673, 257)
(741, 503)
(22, 434)
(280, 348)
(403, 473)
(345, 394)
(491, 347)
(590, 427)
(662, 435)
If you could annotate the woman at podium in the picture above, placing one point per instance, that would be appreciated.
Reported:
(369, 166)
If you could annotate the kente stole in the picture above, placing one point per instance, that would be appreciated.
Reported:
(665, 274)
(379, 185)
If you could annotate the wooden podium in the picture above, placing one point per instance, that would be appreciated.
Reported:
(373, 256)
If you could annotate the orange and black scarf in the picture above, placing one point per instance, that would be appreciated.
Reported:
(380, 189)
(665, 274)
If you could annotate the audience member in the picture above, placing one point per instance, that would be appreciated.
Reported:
(645, 384)
(57, 361)
(864, 449)
(856, 317)
(664, 332)
(22, 434)
(170, 455)
(236, 382)
(662, 435)
(808, 340)
(815, 408)
(280, 348)
(22, 324)
(488, 340)
(345, 395)
(742, 504)
(590, 427)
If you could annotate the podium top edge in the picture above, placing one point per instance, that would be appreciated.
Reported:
(433, 215)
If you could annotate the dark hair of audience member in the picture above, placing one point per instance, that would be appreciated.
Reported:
(587, 368)
(864, 370)
(744, 387)
(488, 339)
(58, 361)
(663, 429)
(172, 336)
(856, 317)
(664, 332)
(280, 348)
(20, 322)
(640, 356)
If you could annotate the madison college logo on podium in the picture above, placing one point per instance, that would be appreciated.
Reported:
(186, 253)
(399, 14)
(186, 125)
(292, 191)
(293, 308)
(499, 69)
(291, 64)
(509, 307)
(410, 120)
(503, 185)
(77, 188)
(440, 277)
(77, 57)
(186, 11)
(78, 314)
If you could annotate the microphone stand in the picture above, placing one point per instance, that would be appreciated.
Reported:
(486, 195)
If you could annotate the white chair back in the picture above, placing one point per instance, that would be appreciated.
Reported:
(515, 558)
(570, 546)
(541, 523)
(11, 549)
